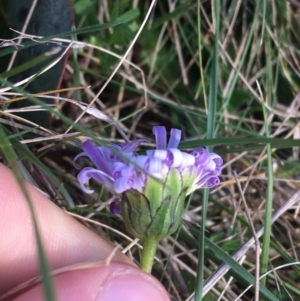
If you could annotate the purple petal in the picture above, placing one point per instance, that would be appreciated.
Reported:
(128, 157)
(202, 156)
(115, 207)
(213, 181)
(150, 152)
(138, 182)
(209, 181)
(76, 158)
(174, 158)
(148, 165)
(187, 160)
(128, 172)
(210, 165)
(95, 156)
(131, 146)
(88, 173)
(110, 156)
(174, 138)
(155, 166)
(217, 170)
(202, 174)
(141, 161)
(117, 169)
(122, 184)
(161, 154)
(218, 160)
(160, 137)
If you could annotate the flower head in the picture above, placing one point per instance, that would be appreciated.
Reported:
(130, 171)
(152, 186)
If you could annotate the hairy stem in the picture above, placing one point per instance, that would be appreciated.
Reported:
(148, 254)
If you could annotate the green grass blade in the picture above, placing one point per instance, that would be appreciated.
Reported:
(270, 183)
(89, 29)
(259, 142)
(25, 66)
(212, 102)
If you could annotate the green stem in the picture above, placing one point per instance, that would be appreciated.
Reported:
(148, 254)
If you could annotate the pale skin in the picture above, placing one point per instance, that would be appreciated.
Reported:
(67, 243)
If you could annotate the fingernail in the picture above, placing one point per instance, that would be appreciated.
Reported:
(132, 286)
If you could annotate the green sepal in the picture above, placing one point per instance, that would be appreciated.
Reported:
(156, 212)
(160, 225)
(177, 211)
(136, 213)
(154, 193)
(168, 217)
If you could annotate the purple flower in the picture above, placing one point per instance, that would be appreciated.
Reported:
(125, 170)
(111, 170)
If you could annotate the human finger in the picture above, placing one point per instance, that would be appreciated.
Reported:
(65, 240)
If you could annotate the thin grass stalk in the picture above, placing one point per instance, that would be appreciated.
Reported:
(200, 53)
(212, 102)
(76, 75)
(270, 182)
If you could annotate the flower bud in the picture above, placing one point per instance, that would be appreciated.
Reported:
(156, 212)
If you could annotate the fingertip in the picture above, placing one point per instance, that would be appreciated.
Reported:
(132, 284)
(112, 282)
